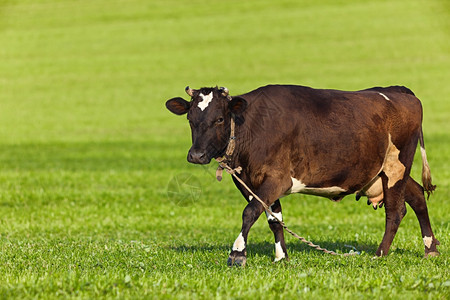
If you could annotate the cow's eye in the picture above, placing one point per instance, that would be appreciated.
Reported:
(219, 120)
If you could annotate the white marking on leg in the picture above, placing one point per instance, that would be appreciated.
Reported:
(206, 100)
(279, 253)
(427, 240)
(299, 187)
(239, 244)
(385, 97)
(271, 218)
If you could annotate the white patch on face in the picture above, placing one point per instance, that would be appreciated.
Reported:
(271, 218)
(299, 187)
(250, 198)
(427, 240)
(205, 102)
(385, 97)
(239, 244)
(279, 253)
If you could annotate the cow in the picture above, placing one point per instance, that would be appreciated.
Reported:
(330, 143)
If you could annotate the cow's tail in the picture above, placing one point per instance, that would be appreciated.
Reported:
(426, 173)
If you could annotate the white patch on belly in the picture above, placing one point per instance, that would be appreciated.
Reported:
(206, 100)
(279, 253)
(427, 240)
(299, 187)
(239, 244)
(385, 97)
(271, 218)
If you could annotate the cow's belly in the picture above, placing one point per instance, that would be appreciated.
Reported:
(373, 191)
(366, 186)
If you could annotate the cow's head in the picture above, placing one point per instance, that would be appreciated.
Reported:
(209, 113)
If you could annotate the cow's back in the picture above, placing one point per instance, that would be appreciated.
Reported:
(323, 111)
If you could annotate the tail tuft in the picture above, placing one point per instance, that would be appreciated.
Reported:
(426, 180)
(426, 173)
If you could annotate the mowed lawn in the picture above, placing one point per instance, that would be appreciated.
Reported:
(92, 165)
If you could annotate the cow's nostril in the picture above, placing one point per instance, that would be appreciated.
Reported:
(196, 157)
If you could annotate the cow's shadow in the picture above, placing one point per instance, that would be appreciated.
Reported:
(266, 248)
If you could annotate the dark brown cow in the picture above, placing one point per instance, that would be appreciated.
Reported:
(330, 143)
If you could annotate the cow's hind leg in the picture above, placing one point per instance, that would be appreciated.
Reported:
(277, 229)
(415, 198)
(394, 178)
(395, 211)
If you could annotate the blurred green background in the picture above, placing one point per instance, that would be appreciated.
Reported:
(87, 148)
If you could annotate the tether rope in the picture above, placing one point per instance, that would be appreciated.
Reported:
(233, 172)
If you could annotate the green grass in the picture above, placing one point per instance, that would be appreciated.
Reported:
(87, 149)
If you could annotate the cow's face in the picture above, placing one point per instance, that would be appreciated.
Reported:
(209, 113)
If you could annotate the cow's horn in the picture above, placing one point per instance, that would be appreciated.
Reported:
(189, 91)
(225, 92)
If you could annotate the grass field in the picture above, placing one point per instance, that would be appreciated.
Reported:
(88, 151)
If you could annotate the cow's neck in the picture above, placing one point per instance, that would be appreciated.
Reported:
(226, 159)
(231, 143)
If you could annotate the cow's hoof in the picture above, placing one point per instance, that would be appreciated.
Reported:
(280, 260)
(381, 253)
(432, 254)
(357, 196)
(236, 260)
(230, 261)
(240, 261)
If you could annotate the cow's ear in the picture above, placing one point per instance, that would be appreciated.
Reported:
(237, 105)
(178, 105)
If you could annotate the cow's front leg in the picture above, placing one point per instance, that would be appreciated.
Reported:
(238, 255)
(277, 229)
(268, 192)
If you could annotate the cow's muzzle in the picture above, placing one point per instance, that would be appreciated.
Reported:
(198, 157)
